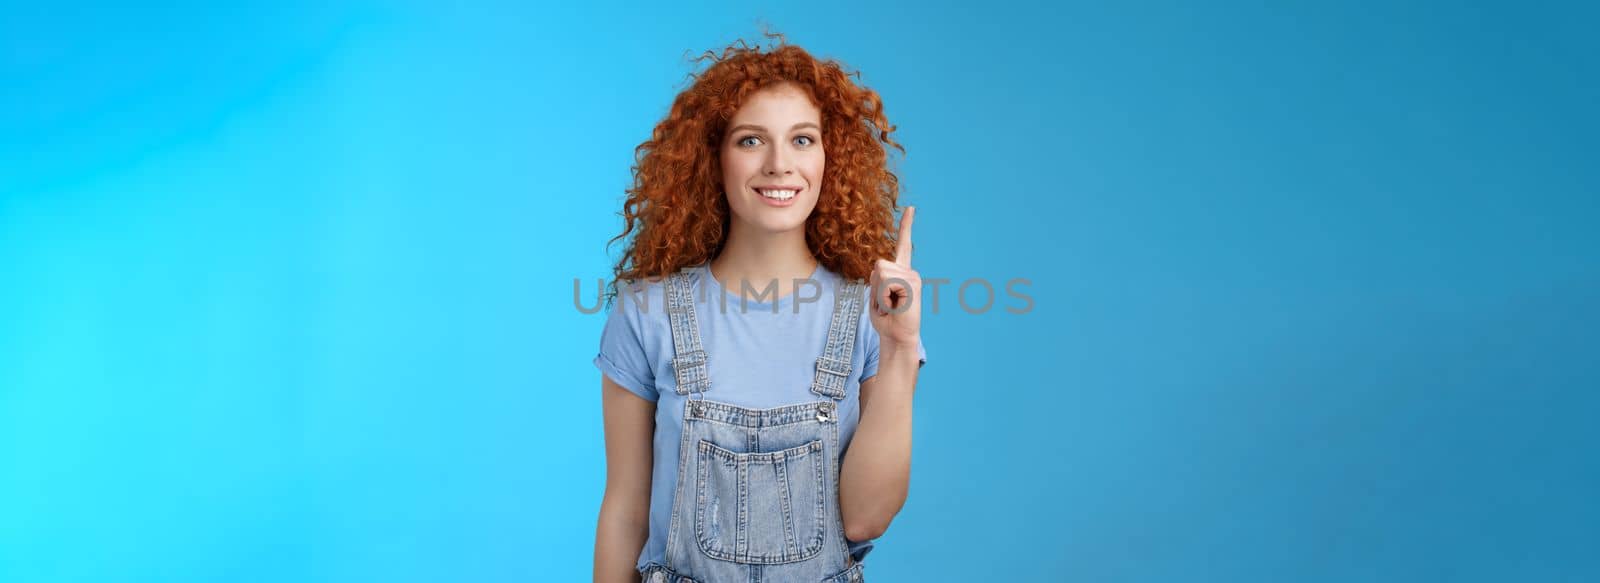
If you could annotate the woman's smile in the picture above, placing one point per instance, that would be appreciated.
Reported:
(778, 197)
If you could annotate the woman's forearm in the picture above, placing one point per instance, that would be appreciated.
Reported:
(877, 468)
(619, 536)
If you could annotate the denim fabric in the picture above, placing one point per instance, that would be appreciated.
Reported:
(758, 489)
(662, 574)
(755, 359)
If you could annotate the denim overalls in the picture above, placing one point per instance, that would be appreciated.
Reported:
(757, 494)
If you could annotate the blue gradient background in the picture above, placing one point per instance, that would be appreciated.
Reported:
(286, 288)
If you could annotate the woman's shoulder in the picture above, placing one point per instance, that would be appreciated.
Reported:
(645, 298)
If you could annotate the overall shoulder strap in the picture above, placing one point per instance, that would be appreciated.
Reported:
(688, 357)
(833, 367)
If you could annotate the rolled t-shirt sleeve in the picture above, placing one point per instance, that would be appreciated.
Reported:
(622, 356)
(870, 368)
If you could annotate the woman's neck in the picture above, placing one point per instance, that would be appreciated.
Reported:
(763, 257)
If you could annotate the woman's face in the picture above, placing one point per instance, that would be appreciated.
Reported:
(772, 159)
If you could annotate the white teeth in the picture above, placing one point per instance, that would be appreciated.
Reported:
(778, 194)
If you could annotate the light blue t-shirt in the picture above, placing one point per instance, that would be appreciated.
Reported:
(759, 356)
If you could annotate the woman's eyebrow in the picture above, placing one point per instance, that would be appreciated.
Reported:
(746, 126)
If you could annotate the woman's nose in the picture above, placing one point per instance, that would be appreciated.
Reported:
(777, 162)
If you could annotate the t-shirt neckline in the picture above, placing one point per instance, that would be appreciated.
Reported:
(751, 302)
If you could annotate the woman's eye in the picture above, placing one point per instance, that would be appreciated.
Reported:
(748, 141)
(807, 140)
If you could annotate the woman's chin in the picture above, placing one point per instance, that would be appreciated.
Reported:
(777, 219)
(784, 227)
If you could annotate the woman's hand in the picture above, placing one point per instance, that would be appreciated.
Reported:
(896, 295)
(876, 472)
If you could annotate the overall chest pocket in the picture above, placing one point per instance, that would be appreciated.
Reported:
(763, 508)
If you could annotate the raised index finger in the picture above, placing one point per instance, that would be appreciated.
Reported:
(902, 251)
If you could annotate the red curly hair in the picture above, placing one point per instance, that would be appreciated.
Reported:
(676, 209)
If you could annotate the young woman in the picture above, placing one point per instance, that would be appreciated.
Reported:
(757, 427)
